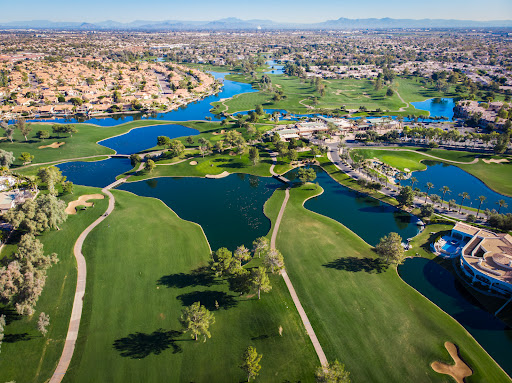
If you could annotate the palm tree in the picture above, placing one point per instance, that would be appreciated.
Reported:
(482, 198)
(429, 186)
(445, 189)
(464, 196)
(413, 181)
(501, 204)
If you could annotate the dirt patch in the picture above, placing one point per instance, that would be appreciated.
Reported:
(82, 201)
(494, 161)
(193, 163)
(217, 133)
(162, 316)
(457, 371)
(54, 145)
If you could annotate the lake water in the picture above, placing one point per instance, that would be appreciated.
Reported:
(365, 216)
(97, 174)
(441, 174)
(275, 67)
(140, 139)
(437, 107)
(442, 288)
(230, 209)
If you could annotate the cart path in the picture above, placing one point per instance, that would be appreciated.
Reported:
(76, 312)
(291, 289)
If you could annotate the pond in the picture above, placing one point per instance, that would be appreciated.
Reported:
(230, 209)
(198, 110)
(459, 181)
(97, 173)
(143, 138)
(442, 288)
(275, 68)
(365, 216)
(437, 107)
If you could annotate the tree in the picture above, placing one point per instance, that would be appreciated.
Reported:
(190, 139)
(451, 204)
(135, 159)
(26, 158)
(2, 326)
(482, 199)
(274, 260)
(406, 196)
(204, 146)
(445, 189)
(150, 165)
(426, 211)
(197, 319)
(69, 129)
(251, 363)
(306, 175)
(293, 155)
(254, 155)
(50, 176)
(42, 134)
(413, 181)
(221, 261)
(6, 158)
(68, 187)
(464, 196)
(163, 141)
(390, 247)
(260, 246)
(176, 148)
(24, 128)
(389, 92)
(429, 186)
(42, 323)
(260, 280)
(501, 203)
(259, 110)
(333, 373)
(242, 254)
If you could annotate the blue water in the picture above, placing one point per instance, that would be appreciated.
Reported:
(441, 174)
(97, 174)
(195, 111)
(438, 107)
(143, 138)
(442, 288)
(359, 212)
(275, 67)
(230, 209)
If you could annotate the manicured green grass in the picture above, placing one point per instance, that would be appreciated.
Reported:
(212, 164)
(364, 316)
(137, 288)
(398, 159)
(26, 355)
(82, 144)
(420, 244)
(497, 176)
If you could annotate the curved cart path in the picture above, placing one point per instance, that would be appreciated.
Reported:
(76, 313)
(291, 289)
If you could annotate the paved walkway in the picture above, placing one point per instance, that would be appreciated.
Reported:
(76, 313)
(291, 289)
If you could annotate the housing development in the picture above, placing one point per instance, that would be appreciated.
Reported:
(238, 200)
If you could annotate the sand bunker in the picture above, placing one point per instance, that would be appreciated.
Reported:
(493, 161)
(82, 201)
(193, 163)
(221, 175)
(55, 145)
(217, 133)
(458, 371)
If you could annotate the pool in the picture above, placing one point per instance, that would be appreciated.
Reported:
(448, 245)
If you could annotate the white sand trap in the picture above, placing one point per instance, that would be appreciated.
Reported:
(217, 133)
(82, 201)
(221, 175)
(457, 371)
(494, 161)
(407, 170)
(193, 163)
(55, 145)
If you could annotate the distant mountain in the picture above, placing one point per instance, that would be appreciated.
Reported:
(233, 23)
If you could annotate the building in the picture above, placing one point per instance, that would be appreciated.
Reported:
(485, 258)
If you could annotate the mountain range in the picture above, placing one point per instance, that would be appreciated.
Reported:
(232, 23)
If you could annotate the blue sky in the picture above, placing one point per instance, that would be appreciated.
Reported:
(279, 10)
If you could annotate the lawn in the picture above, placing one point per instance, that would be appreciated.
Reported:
(213, 164)
(137, 288)
(82, 144)
(26, 355)
(364, 315)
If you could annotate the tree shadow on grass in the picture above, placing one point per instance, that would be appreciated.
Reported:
(208, 299)
(355, 264)
(10, 315)
(140, 345)
(202, 276)
(13, 338)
